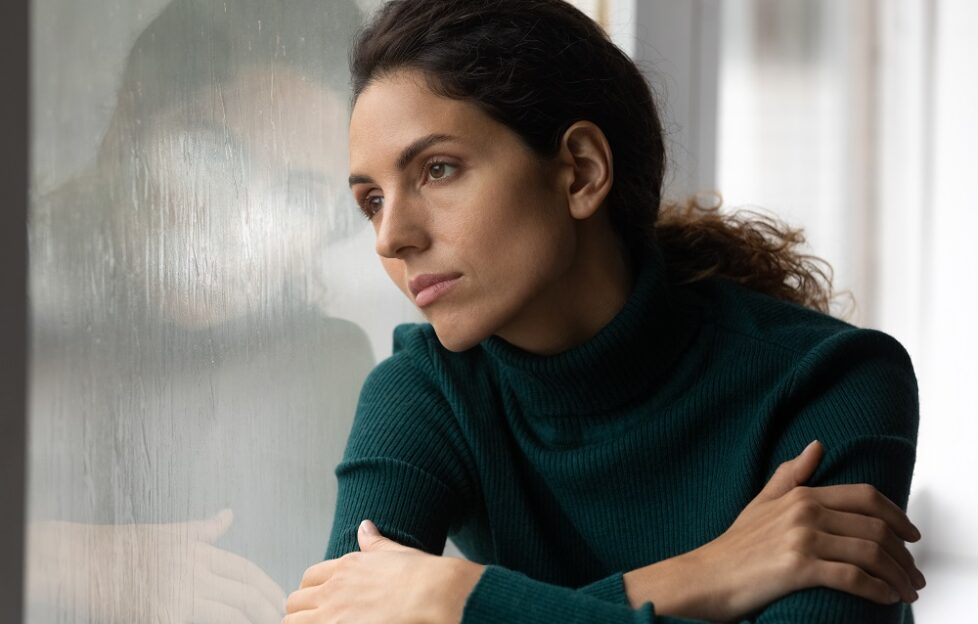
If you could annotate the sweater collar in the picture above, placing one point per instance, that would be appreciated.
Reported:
(626, 360)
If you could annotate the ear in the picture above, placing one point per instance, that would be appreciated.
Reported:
(585, 156)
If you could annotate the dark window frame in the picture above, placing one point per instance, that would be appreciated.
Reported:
(14, 168)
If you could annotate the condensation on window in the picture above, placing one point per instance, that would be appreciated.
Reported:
(205, 303)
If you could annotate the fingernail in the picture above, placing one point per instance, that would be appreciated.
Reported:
(367, 527)
(919, 580)
(894, 597)
(915, 532)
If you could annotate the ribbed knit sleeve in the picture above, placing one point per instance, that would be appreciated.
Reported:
(507, 597)
(610, 589)
(857, 393)
(403, 467)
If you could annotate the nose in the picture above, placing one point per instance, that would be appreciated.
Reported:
(402, 227)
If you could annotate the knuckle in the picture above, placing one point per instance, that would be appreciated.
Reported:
(794, 561)
(852, 576)
(870, 493)
(874, 554)
(799, 493)
(290, 602)
(879, 530)
(880, 589)
(801, 540)
(804, 511)
(323, 589)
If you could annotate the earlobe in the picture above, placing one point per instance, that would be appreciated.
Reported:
(585, 149)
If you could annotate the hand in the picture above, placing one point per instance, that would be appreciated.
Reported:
(167, 573)
(791, 537)
(384, 582)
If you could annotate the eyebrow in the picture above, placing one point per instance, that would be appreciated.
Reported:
(408, 154)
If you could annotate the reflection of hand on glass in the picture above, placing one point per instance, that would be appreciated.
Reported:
(148, 572)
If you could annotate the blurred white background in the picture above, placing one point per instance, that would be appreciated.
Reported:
(859, 122)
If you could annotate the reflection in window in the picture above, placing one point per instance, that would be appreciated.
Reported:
(192, 387)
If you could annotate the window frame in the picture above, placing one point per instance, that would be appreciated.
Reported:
(14, 111)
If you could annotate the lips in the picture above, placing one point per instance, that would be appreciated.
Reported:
(429, 286)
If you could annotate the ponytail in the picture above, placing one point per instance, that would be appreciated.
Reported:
(747, 247)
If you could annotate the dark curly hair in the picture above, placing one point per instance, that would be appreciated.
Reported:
(538, 66)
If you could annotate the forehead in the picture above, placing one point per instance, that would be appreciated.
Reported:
(273, 113)
(399, 107)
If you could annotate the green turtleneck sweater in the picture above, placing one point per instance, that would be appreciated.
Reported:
(563, 472)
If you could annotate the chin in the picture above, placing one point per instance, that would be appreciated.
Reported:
(457, 338)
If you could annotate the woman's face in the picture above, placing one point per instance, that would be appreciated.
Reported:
(453, 193)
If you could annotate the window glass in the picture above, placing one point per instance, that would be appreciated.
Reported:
(205, 304)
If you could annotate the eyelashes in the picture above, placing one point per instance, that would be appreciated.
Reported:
(369, 208)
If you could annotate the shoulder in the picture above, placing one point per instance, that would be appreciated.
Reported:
(409, 373)
(802, 335)
(854, 389)
(402, 378)
(420, 365)
(816, 364)
(404, 395)
(416, 342)
(403, 415)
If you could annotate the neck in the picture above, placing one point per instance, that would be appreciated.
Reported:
(585, 298)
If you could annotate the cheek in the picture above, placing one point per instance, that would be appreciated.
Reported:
(395, 271)
(530, 229)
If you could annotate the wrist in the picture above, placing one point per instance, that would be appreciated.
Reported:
(679, 587)
(460, 577)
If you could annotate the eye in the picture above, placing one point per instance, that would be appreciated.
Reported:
(371, 205)
(439, 170)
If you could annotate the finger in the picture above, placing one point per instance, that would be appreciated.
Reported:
(792, 473)
(207, 530)
(303, 599)
(319, 573)
(852, 580)
(232, 566)
(803, 466)
(241, 597)
(868, 556)
(863, 498)
(207, 611)
(314, 616)
(871, 528)
(211, 529)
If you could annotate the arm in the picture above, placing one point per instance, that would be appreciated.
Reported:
(505, 596)
(404, 469)
(856, 390)
(858, 394)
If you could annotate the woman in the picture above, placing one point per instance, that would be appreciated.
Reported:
(606, 411)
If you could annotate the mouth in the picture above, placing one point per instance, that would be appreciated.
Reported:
(429, 287)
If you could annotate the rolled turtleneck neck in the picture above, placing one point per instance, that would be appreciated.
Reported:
(620, 363)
